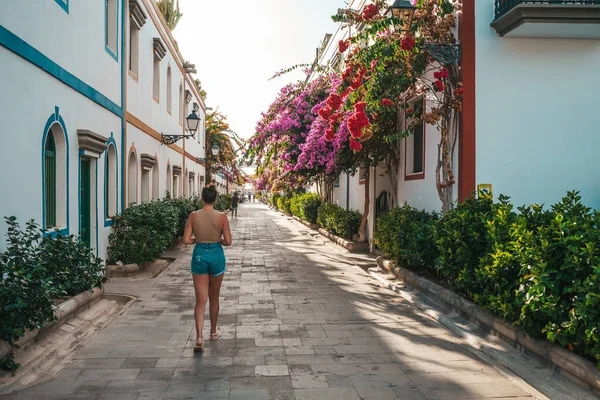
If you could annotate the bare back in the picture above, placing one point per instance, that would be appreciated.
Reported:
(207, 226)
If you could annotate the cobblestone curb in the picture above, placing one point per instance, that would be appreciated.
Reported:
(576, 367)
(122, 270)
(352, 247)
(63, 311)
(314, 227)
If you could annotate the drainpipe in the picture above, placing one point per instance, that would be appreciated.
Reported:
(347, 192)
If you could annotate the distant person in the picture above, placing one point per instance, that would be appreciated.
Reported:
(209, 230)
(235, 200)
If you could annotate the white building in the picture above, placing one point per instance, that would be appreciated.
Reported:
(529, 126)
(89, 88)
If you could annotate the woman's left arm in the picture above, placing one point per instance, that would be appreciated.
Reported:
(187, 234)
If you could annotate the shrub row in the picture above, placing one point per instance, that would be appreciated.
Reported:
(340, 222)
(35, 270)
(538, 268)
(143, 232)
(308, 207)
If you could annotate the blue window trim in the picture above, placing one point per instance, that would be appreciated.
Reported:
(113, 54)
(79, 158)
(23, 49)
(55, 119)
(64, 4)
(111, 142)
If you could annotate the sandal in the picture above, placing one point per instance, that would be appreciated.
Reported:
(199, 347)
(215, 336)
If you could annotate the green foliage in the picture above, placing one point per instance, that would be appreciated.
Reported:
(284, 204)
(223, 202)
(461, 239)
(34, 271)
(560, 278)
(74, 268)
(338, 221)
(275, 200)
(184, 207)
(143, 232)
(170, 10)
(308, 206)
(407, 235)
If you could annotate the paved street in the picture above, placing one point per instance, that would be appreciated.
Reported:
(299, 321)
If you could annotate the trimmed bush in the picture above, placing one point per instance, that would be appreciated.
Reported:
(284, 204)
(308, 206)
(338, 221)
(407, 235)
(275, 200)
(34, 271)
(223, 202)
(74, 268)
(143, 232)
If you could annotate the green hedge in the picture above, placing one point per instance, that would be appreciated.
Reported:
(223, 202)
(406, 234)
(537, 268)
(338, 221)
(34, 271)
(143, 232)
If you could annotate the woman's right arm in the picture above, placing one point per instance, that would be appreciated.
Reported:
(187, 234)
(226, 241)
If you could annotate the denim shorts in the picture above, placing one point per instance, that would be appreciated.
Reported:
(208, 258)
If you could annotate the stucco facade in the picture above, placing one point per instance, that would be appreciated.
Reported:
(82, 133)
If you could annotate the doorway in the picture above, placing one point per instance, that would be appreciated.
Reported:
(85, 196)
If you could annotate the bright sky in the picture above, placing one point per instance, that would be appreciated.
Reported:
(237, 47)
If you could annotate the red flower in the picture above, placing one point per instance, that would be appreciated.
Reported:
(369, 12)
(441, 74)
(329, 135)
(360, 106)
(343, 46)
(374, 64)
(407, 43)
(410, 110)
(358, 121)
(387, 103)
(335, 117)
(334, 101)
(325, 112)
(355, 146)
(347, 74)
(356, 83)
(439, 86)
(346, 92)
(459, 92)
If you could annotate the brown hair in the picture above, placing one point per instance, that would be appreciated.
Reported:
(209, 194)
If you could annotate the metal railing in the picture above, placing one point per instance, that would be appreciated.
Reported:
(503, 6)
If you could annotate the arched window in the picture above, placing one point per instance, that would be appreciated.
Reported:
(110, 182)
(181, 116)
(132, 176)
(50, 181)
(55, 178)
(169, 181)
(155, 183)
(169, 91)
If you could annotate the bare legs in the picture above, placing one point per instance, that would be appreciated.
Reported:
(214, 290)
(201, 289)
(206, 288)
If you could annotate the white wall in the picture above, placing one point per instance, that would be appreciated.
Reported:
(537, 115)
(75, 41)
(23, 128)
(141, 104)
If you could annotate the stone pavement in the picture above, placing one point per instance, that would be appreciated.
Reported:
(299, 320)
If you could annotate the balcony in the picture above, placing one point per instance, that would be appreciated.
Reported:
(558, 19)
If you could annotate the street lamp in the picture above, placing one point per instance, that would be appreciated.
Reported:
(193, 121)
(215, 150)
(441, 52)
(404, 10)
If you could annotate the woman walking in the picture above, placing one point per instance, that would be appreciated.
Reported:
(209, 230)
